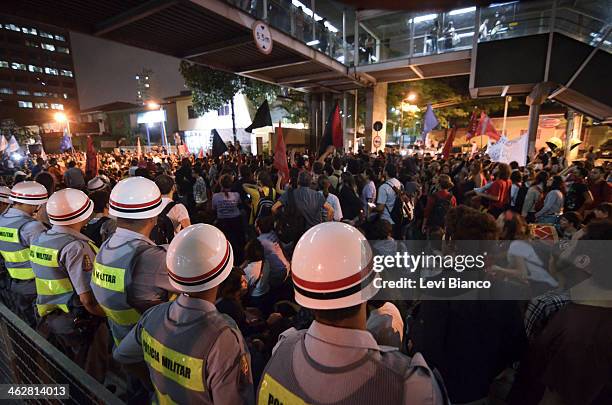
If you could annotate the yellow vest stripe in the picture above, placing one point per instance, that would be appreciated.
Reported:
(162, 399)
(180, 368)
(272, 392)
(21, 274)
(9, 235)
(44, 309)
(124, 317)
(53, 287)
(110, 278)
(19, 256)
(44, 256)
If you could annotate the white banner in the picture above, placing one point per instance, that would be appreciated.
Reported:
(506, 151)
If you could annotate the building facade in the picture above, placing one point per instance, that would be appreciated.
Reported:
(37, 76)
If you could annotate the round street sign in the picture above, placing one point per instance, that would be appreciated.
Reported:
(377, 126)
(377, 141)
(262, 37)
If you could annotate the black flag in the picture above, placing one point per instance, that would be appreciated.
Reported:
(218, 146)
(262, 117)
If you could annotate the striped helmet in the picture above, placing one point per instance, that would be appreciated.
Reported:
(29, 192)
(135, 198)
(199, 258)
(332, 267)
(5, 193)
(69, 206)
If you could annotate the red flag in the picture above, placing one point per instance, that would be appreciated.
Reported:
(485, 127)
(201, 154)
(280, 154)
(91, 164)
(472, 126)
(449, 143)
(333, 131)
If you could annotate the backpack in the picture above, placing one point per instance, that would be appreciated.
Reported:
(163, 232)
(264, 206)
(520, 198)
(403, 207)
(93, 228)
(437, 216)
(290, 225)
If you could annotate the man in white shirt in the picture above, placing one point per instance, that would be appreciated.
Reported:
(386, 196)
(178, 213)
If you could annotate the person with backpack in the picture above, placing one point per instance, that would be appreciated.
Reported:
(535, 197)
(331, 199)
(262, 196)
(518, 191)
(392, 202)
(100, 226)
(438, 205)
(176, 212)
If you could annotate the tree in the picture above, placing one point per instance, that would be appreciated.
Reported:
(212, 89)
(451, 93)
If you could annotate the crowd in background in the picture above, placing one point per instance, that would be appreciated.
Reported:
(547, 343)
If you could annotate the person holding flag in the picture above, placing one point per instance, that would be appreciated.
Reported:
(333, 131)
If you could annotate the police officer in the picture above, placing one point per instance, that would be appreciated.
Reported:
(194, 354)
(62, 259)
(5, 297)
(17, 230)
(130, 270)
(337, 351)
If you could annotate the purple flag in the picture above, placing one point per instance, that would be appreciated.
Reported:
(429, 122)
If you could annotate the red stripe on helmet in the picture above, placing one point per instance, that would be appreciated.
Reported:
(217, 268)
(141, 205)
(335, 284)
(83, 208)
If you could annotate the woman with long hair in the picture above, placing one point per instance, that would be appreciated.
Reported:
(553, 202)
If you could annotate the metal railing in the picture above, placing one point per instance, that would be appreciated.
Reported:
(357, 38)
(27, 358)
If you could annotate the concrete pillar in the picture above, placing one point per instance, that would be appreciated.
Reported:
(532, 128)
(534, 100)
(376, 110)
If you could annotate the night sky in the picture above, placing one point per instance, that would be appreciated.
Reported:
(105, 71)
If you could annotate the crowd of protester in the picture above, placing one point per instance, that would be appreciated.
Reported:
(551, 346)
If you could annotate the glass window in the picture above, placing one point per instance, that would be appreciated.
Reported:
(39, 94)
(51, 71)
(18, 66)
(225, 110)
(60, 38)
(12, 27)
(48, 47)
(62, 49)
(33, 68)
(41, 105)
(191, 114)
(31, 44)
(24, 104)
(31, 31)
(46, 35)
(57, 106)
(66, 96)
(23, 92)
(428, 37)
(5, 90)
(4, 64)
(67, 73)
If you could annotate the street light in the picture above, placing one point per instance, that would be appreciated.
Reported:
(61, 117)
(153, 105)
(411, 96)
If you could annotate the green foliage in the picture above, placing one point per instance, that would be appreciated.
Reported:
(212, 89)
(452, 91)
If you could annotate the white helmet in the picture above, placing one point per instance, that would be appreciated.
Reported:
(199, 258)
(69, 206)
(95, 184)
(29, 192)
(332, 267)
(5, 193)
(135, 198)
